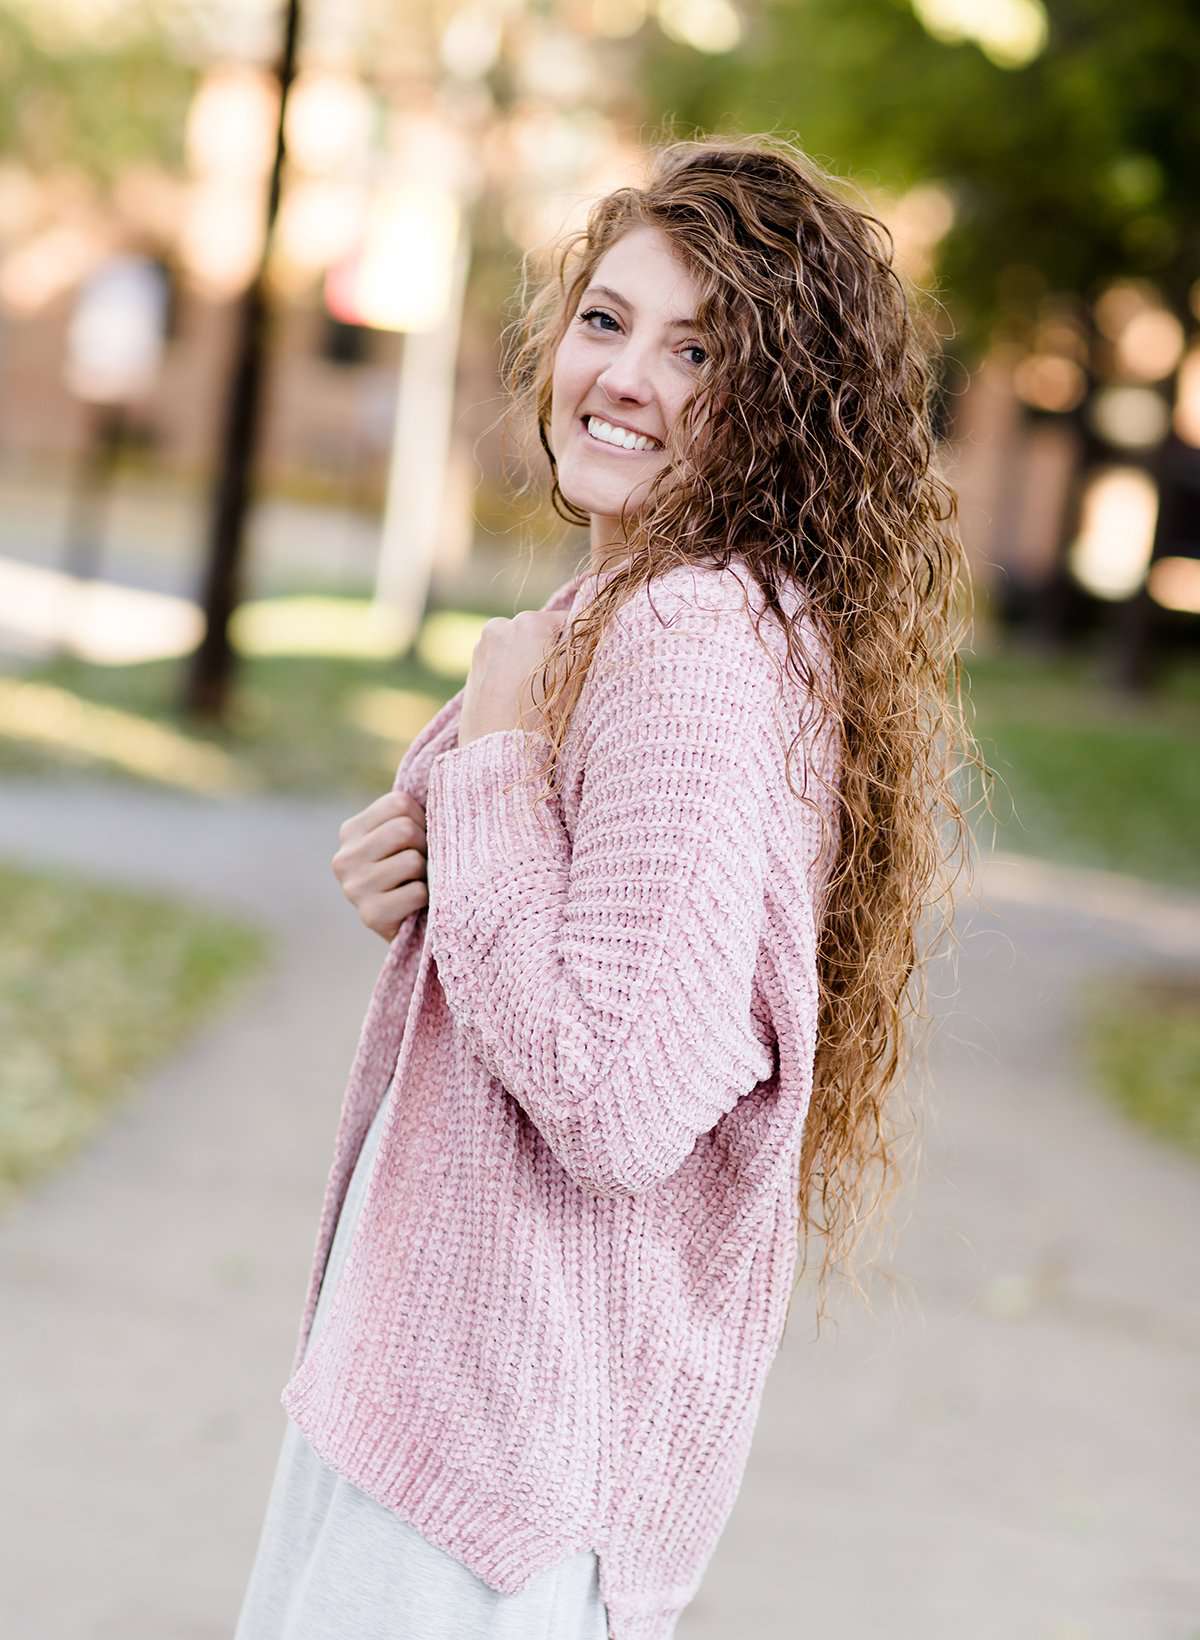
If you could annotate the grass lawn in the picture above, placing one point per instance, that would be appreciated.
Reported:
(1086, 777)
(96, 985)
(298, 724)
(1089, 777)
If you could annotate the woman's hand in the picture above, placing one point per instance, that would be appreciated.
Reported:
(380, 862)
(500, 688)
(381, 858)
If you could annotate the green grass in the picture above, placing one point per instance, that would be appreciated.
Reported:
(1090, 777)
(97, 985)
(1141, 1038)
(292, 726)
(1087, 776)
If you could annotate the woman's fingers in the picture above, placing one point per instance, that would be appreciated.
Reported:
(392, 805)
(392, 835)
(363, 869)
(359, 849)
(380, 861)
(388, 838)
(384, 912)
(389, 873)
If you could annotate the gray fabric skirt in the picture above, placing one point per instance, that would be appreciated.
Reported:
(333, 1564)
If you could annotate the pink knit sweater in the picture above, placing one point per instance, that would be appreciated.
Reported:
(577, 1244)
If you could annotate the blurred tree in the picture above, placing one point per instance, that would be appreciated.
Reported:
(1067, 170)
(1066, 135)
(97, 103)
(210, 671)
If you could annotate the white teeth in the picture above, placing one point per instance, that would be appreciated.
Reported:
(620, 436)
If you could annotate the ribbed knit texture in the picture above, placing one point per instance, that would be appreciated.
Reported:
(577, 1245)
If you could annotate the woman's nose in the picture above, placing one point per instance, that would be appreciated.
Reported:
(626, 377)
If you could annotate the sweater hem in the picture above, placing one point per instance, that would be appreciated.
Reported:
(483, 1531)
(629, 1620)
(505, 1550)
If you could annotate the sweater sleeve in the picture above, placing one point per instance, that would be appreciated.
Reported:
(605, 979)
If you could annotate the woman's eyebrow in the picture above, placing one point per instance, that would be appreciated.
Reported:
(615, 296)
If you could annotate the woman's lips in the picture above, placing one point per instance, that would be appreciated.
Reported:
(615, 449)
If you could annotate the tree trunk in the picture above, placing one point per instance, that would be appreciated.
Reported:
(211, 669)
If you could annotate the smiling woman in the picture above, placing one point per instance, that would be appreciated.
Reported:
(638, 1032)
(623, 372)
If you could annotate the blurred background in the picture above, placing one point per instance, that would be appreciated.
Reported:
(257, 499)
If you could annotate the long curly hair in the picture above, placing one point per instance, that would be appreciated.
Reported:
(806, 451)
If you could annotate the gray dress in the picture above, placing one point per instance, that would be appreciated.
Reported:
(334, 1564)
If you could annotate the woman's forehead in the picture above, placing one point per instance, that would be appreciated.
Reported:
(643, 269)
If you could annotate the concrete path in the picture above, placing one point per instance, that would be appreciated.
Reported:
(1005, 1448)
(150, 556)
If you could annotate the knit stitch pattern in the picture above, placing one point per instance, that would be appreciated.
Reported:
(572, 1267)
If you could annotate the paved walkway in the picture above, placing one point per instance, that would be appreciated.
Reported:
(1003, 1450)
(148, 563)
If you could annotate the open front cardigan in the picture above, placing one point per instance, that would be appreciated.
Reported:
(577, 1244)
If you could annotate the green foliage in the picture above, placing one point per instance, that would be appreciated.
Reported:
(1065, 173)
(97, 984)
(96, 108)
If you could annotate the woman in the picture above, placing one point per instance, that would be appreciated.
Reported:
(650, 884)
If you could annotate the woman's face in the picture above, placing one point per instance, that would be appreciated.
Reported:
(630, 358)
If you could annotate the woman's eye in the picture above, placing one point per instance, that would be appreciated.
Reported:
(589, 314)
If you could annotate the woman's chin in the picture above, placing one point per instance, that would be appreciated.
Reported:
(592, 497)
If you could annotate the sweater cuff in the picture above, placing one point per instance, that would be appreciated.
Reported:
(481, 805)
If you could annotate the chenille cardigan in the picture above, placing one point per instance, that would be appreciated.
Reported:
(577, 1245)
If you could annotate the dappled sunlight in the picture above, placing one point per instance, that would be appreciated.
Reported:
(96, 620)
(1111, 553)
(48, 716)
(352, 628)
(1174, 583)
(394, 715)
(705, 25)
(114, 625)
(447, 642)
(296, 717)
(1010, 33)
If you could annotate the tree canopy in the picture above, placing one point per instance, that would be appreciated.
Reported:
(1070, 170)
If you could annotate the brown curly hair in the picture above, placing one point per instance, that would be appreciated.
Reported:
(807, 452)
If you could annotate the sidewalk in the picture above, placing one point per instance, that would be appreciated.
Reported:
(1005, 1451)
(152, 550)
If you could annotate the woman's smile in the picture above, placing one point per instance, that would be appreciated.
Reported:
(617, 437)
(625, 367)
